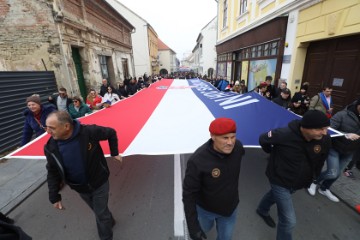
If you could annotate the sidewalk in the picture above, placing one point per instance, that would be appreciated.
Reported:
(20, 177)
(348, 189)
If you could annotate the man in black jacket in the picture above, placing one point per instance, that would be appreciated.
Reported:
(75, 157)
(297, 154)
(210, 189)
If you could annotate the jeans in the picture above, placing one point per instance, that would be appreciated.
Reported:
(336, 163)
(287, 219)
(224, 225)
(98, 202)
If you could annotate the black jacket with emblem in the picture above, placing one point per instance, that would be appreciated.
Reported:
(294, 162)
(211, 181)
(96, 167)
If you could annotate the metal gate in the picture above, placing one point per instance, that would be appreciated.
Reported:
(15, 87)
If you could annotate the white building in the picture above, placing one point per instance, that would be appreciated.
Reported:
(205, 51)
(167, 59)
(140, 39)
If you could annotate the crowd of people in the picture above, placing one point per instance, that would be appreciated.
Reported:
(297, 155)
(37, 112)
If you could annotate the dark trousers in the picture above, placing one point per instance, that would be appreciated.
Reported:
(98, 202)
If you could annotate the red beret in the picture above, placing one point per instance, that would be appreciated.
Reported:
(221, 126)
(263, 84)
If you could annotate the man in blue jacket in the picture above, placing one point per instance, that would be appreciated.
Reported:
(75, 157)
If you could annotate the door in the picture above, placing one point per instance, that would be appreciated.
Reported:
(79, 72)
(335, 63)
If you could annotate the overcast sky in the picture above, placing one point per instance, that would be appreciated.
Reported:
(177, 22)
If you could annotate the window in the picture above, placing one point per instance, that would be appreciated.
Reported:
(225, 8)
(253, 52)
(243, 6)
(266, 49)
(274, 48)
(103, 67)
(125, 67)
(259, 51)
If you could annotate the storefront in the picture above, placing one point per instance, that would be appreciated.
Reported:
(254, 54)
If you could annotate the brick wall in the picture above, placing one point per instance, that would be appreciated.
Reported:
(101, 17)
(25, 26)
(74, 8)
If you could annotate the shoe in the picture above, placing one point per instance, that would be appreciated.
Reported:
(312, 189)
(267, 219)
(6, 219)
(349, 174)
(113, 222)
(329, 195)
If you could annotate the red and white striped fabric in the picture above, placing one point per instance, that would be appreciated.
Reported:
(173, 116)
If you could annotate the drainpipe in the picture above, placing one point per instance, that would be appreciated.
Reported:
(132, 54)
(67, 73)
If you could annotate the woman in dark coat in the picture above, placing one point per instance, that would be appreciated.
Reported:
(35, 118)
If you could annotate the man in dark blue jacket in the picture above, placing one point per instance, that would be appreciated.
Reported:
(297, 154)
(75, 157)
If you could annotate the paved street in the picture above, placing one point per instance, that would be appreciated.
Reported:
(142, 201)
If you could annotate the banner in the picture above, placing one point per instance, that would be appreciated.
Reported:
(173, 117)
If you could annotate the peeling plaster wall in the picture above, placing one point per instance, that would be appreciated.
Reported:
(27, 32)
(33, 31)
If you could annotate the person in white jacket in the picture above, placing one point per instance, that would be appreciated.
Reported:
(110, 96)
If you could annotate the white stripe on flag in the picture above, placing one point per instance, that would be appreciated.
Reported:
(179, 117)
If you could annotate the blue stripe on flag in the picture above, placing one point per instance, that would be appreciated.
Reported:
(252, 113)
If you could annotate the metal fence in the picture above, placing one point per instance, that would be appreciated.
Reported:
(15, 87)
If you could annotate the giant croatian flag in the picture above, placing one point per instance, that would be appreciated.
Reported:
(173, 116)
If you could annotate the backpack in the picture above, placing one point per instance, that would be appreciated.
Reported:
(222, 85)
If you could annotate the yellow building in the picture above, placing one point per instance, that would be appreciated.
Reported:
(153, 50)
(315, 41)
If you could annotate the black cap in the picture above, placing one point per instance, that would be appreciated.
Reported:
(357, 102)
(286, 91)
(315, 119)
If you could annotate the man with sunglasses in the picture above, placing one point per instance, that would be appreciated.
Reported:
(61, 100)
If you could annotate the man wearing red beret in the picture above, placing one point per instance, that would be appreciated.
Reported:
(210, 189)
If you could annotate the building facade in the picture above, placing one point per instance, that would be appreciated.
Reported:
(167, 59)
(82, 41)
(141, 39)
(205, 52)
(296, 41)
(153, 51)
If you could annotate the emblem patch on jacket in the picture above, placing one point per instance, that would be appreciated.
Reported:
(317, 148)
(215, 173)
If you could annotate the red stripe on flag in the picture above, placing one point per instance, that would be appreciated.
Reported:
(127, 117)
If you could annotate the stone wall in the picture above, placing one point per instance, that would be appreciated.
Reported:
(26, 28)
(39, 34)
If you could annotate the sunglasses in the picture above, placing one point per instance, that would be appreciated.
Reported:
(75, 101)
